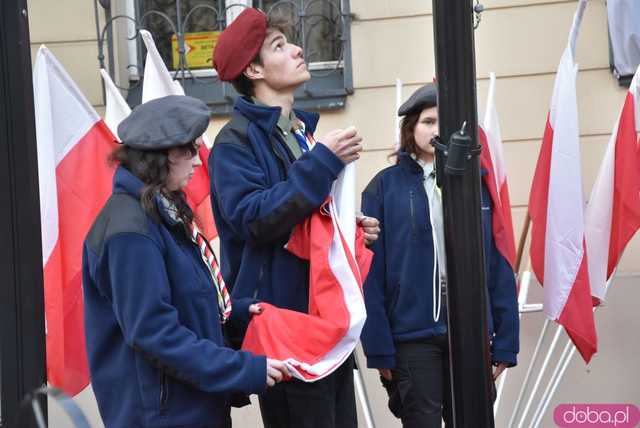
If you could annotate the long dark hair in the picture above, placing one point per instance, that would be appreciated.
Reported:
(152, 168)
(407, 141)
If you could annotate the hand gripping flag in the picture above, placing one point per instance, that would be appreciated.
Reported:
(558, 254)
(313, 345)
(75, 182)
(613, 212)
(492, 160)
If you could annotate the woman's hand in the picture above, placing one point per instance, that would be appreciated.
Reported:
(276, 371)
(255, 309)
(370, 226)
(386, 374)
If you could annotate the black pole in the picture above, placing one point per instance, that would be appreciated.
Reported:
(22, 340)
(466, 295)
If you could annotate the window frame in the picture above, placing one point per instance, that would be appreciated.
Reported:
(330, 84)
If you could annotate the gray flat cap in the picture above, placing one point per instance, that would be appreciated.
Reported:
(165, 122)
(425, 97)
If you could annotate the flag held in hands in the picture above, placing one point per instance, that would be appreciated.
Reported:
(313, 345)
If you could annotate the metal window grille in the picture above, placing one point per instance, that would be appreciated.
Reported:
(320, 27)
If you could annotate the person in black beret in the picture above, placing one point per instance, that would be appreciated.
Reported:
(153, 299)
(405, 335)
(268, 175)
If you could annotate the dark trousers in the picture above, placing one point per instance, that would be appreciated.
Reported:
(420, 389)
(327, 403)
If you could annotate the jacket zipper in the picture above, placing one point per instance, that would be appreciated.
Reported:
(413, 215)
(164, 392)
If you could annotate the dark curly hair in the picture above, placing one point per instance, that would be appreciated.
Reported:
(152, 168)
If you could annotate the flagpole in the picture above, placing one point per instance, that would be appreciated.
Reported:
(521, 243)
(460, 180)
(545, 364)
(527, 377)
(22, 336)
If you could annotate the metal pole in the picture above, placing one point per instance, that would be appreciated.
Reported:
(522, 303)
(527, 377)
(22, 340)
(545, 363)
(361, 390)
(471, 381)
(554, 380)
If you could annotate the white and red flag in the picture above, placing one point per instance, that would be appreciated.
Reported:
(558, 253)
(313, 345)
(158, 83)
(492, 160)
(613, 212)
(75, 182)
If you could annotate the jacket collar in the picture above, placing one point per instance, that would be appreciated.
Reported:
(406, 161)
(267, 117)
(125, 182)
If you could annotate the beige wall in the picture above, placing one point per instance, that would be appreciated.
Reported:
(521, 41)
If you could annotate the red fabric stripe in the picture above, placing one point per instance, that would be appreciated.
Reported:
(577, 314)
(199, 198)
(502, 226)
(538, 201)
(625, 215)
(84, 182)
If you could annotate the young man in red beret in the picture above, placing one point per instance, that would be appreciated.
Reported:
(269, 174)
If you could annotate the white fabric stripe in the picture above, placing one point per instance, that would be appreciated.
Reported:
(116, 108)
(491, 127)
(63, 117)
(565, 224)
(598, 216)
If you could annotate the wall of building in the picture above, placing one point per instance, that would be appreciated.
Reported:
(521, 41)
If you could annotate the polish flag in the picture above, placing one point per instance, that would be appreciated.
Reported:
(613, 213)
(313, 345)
(75, 182)
(558, 253)
(492, 160)
(158, 83)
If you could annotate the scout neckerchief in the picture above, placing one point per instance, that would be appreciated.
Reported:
(305, 139)
(209, 258)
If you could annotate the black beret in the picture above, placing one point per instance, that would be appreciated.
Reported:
(164, 123)
(425, 97)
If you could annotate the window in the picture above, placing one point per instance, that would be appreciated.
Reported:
(185, 32)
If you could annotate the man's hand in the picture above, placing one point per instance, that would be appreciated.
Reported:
(344, 143)
(370, 226)
(385, 373)
(498, 370)
(276, 371)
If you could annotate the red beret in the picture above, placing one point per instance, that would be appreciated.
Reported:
(239, 43)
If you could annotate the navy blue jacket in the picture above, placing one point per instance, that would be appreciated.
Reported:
(399, 291)
(259, 194)
(152, 324)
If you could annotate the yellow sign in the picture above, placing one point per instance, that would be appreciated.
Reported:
(198, 49)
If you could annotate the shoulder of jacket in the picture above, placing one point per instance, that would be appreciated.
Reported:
(374, 186)
(236, 131)
(121, 214)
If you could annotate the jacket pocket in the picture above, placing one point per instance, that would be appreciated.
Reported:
(164, 392)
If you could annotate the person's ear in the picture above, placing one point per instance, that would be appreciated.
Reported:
(254, 72)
